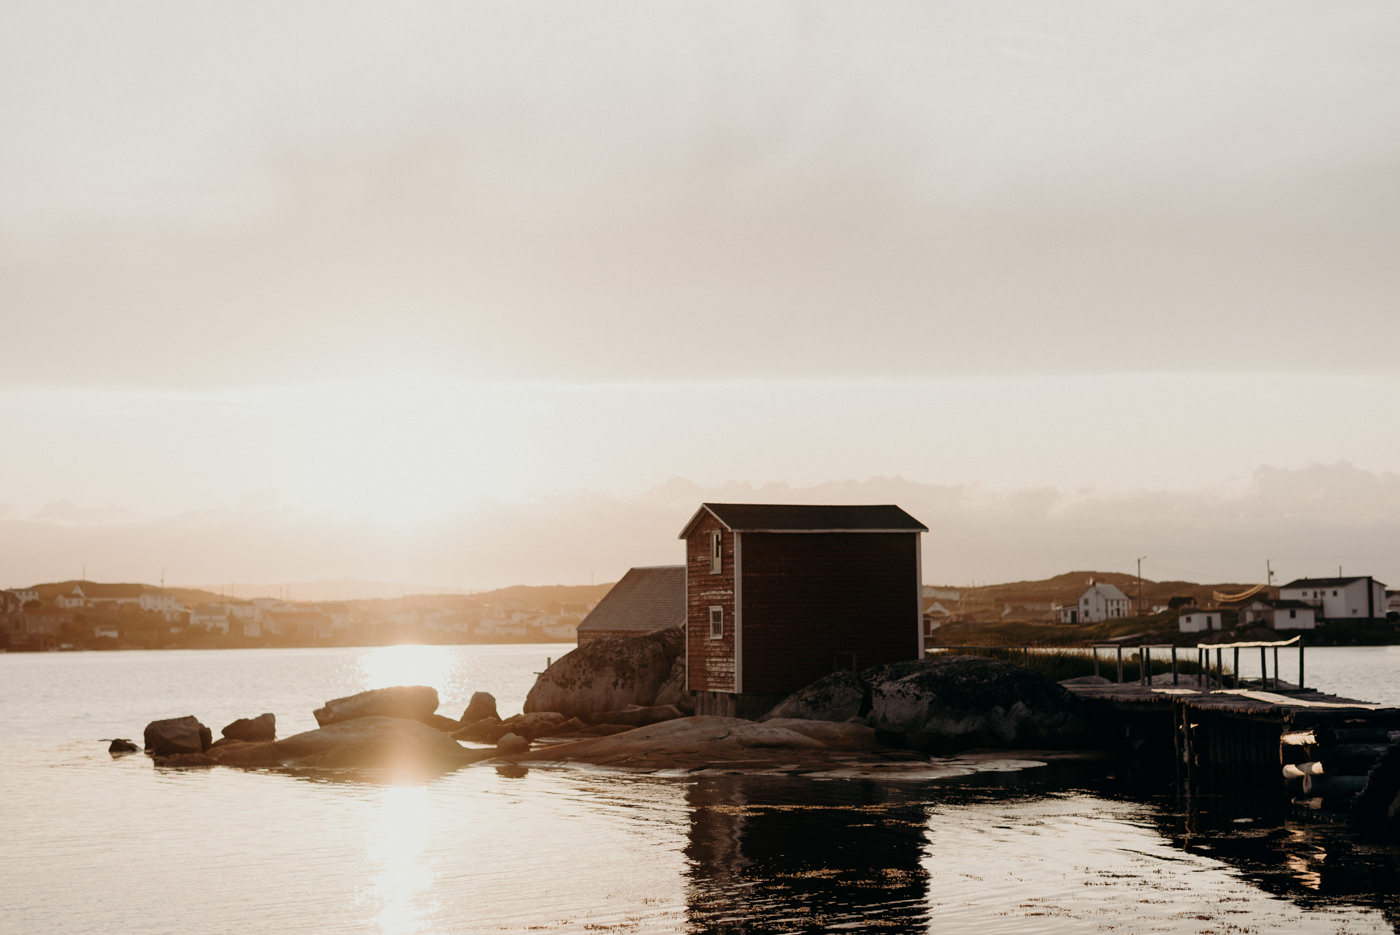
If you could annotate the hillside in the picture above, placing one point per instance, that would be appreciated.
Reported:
(1033, 600)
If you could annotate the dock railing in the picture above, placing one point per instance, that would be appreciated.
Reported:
(1208, 675)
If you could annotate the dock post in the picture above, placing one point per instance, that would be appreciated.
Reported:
(1095, 651)
(1120, 663)
(1264, 669)
(1276, 668)
(1174, 682)
(1145, 665)
(1236, 666)
(1301, 683)
(1219, 665)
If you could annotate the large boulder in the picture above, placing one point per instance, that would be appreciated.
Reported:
(839, 696)
(253, 729)
(366, 742)
(482, 705)
(608, 674)
(950, 703)
(176, 735)
(416, 702)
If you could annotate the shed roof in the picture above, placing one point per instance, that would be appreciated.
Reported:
(646, 599)
(797, 517)
(1327, 582)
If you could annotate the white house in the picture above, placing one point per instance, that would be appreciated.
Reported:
(73, 599)
(1197, 620)
(1278, 615)
(1100, 602)
(1354, 598)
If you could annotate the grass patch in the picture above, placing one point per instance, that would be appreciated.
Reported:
(1060, 664)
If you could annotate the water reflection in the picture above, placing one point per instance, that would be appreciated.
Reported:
(401, 874)
(778, 855)
(1053, 848)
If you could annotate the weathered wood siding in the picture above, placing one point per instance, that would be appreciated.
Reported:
(813, 602)
(710, 663)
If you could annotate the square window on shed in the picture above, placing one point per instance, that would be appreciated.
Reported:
(716, 623)
(716, 552)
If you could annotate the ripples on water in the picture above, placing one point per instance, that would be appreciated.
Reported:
(93, 844)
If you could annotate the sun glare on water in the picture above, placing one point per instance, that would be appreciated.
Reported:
(402, 873)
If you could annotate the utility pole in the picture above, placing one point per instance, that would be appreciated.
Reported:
(1269, 568)
(1139, 607)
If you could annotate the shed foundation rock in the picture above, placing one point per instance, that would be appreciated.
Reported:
(608, 674)
(951, 703)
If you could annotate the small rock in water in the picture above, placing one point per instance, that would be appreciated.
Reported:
(486, 730)
(482, 705)
(253, 729)
(512, 743)
(177, 735)
(122, 745)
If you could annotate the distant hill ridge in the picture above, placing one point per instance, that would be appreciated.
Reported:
(529, 595)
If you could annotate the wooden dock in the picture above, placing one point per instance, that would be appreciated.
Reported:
(1262, 744)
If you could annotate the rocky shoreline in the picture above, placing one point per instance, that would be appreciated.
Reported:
(621, 703)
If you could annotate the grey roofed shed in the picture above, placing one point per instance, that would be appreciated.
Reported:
(646, 599)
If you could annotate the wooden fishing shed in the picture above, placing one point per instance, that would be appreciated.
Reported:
(779, 595)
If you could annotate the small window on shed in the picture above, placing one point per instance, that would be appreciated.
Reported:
(716, 552)
(716, 623)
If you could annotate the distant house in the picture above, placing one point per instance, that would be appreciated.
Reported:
(1354, 598)
(73, 600)
(779, 595)
(159, 602)
(211, 617)
(1099, 603)
(1197, 620)
(1281, 614)
(645, 600)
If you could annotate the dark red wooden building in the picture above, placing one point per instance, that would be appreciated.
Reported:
(779, 595)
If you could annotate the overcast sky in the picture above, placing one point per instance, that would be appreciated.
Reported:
(285, 284)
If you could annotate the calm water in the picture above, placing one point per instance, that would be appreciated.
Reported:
(92, 844)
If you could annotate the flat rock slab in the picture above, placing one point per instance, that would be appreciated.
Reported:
(418, 702)
(363, 743)
(719, 743)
